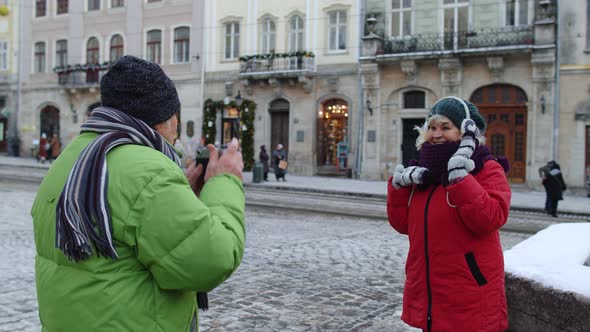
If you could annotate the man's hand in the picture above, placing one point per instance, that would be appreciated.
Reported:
(404, 177)
(230, 162)
(460, 163)
(195, 179)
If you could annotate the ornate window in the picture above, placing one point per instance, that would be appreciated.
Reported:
(62, 7)
(337, 30)
(40, 8)
(92, 51)
(181, 45)
(116, 51)
(296, 34)
(154, 46)
(93, 5)
(401, 18)
(117, 3)
(517, 12)
(268, 36)
(231, 44)
(40, 57)
(61, 53)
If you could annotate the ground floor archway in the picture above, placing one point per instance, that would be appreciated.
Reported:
(332, 135)
(49, 121)
(279, 124)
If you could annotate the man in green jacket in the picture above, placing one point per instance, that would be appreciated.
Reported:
(123, 242)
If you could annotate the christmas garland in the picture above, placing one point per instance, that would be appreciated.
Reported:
(247, 117)
(246, 58)
(79, 67)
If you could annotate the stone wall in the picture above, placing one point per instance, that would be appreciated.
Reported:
(534, 307)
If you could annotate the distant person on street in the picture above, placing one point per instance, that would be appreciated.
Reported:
(43, 147)
(451, 203)
(55, 147)
(279, 155)
(263, 157)
(122, 241)
(554, 186)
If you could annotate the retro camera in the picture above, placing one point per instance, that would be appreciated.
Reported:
(202, 157)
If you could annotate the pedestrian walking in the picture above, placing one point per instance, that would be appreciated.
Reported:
(122, 241)
(43, 147)
(280, 162)
(263, 158)
(451, 203)
(554, 185)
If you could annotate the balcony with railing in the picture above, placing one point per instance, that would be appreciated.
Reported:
(503, 38)
(277, 65)
(81, 76)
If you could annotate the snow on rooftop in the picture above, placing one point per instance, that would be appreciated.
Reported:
(554, 257)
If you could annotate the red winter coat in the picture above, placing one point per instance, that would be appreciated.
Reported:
(455, 265)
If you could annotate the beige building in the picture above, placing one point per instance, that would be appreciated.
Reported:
(9, 13)
(70, 44)
(574, 100)
(298, 62)
(500, 55)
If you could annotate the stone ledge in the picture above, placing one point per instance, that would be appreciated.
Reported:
(534, 307)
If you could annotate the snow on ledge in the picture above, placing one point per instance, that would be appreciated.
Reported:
(554, 257)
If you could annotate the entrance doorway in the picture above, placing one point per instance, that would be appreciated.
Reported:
(279, 124)
(49, 121)
(504, 108)
(409, 136)
(3, 125)
(230, 125)
(332, 132)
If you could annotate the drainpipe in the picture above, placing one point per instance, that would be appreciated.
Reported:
(359, 145)
(14, 127)
(557, 86)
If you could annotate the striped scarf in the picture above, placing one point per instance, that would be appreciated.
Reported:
(83, 218)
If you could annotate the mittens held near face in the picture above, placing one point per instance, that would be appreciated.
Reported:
(460, 163)
(404, 177)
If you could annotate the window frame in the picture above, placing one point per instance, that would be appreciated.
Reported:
(119, 5)
(268, 35)
(94, 9)
(337, 27)
(402, 11)
(39, 66)
(234, 40)
(59, 4)
(413, 94)
(40, 4)
(294, 33)
(186, 42)
(150, 45)
(61, 53)
(87, 49)
(116, 48)
(517, 11)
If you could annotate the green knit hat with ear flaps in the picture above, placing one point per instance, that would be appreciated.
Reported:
(454, 111)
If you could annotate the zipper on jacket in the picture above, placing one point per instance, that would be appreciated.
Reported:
(427, 261)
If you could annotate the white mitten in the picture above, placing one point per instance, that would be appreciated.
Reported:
(460, 163)
(403, 177)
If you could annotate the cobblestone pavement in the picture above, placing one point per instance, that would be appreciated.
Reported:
(301, 272)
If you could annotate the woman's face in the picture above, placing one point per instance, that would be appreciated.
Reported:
(442, 130)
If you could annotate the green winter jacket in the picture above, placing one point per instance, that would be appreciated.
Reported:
(170, 245)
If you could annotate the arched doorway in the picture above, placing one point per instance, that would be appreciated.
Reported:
(279, 124)
(49, 121)
(504, 108)
(332, 135)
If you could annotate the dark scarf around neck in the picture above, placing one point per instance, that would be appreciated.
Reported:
(435, 158)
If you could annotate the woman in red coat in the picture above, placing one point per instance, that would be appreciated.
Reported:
(451, 204)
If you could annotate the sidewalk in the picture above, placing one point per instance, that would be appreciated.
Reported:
(522, 197)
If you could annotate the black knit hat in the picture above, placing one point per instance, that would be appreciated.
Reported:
(141, 89)
(455, 111)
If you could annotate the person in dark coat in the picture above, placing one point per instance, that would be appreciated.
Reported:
(554, 186)
(451, 204)
(278, 155)
(263, 157)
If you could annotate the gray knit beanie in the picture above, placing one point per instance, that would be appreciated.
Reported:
(454, 111)
(141, 89)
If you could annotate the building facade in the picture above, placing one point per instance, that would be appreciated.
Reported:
(71, 44)
(499, 55)
(298, 62)
(574, 87)
(9, 13)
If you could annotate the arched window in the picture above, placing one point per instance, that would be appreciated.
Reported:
(181, 45)
(268, 35)
(92, 51)
(414, 99)
(116, 51)
(154, 46)
(296, 34)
